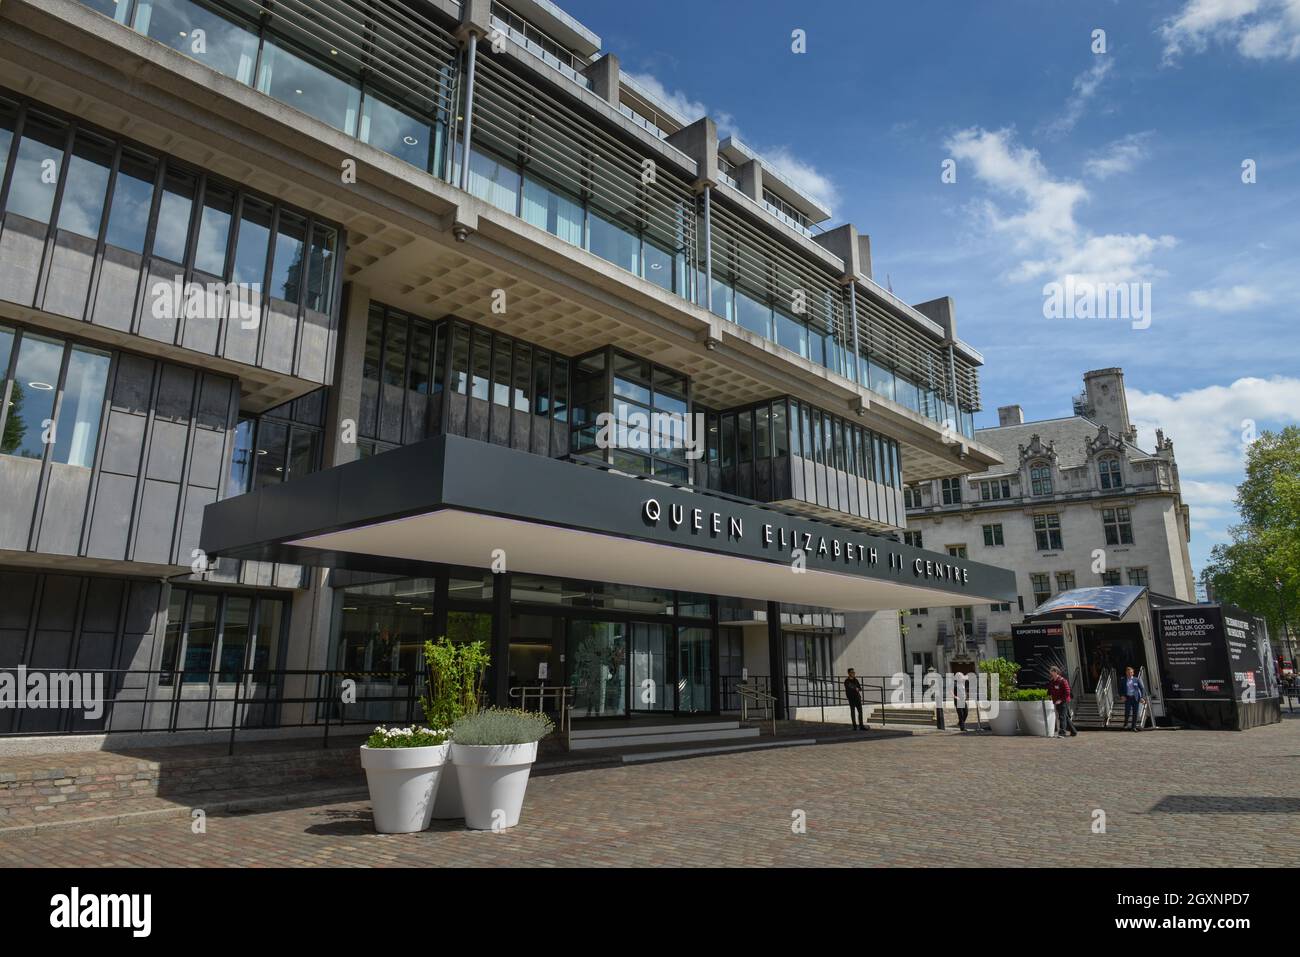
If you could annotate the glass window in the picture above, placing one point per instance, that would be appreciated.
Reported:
(199, 33)
(482, 362)
(561, 389)
(548, 209)
(1047, 532)
(658, 265)
(77, 432)
(214, 229)
(397, 132)
(418, 369)
(993, 536)
(1138, 576)
(128, 216)
(492, 180)
(36, 168)
(501, 372)
(542, 383)
(81, 210)
(8, 117)
(286, 267)
(308, 87)
(200, 638)
(173, 636)
(1118, 524)
(31, 397)
(521, 400)
(234, 637)
(1040, 478)
(320, 268)
(791, 333)
(460, 359)
(745, 434)
(753, 315)
(1111, 476)
(724, 304)
(174, 211)
(303, 452)
(117, 9)
(614, 242)
(272, 444)
(242, 458)
(251, 246)
(882, 379)
(905, 391)
(270, 624)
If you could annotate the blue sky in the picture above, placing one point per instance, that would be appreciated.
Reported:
(1124, 166)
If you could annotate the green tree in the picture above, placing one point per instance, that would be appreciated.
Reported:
(15, 427)
(1265, 546)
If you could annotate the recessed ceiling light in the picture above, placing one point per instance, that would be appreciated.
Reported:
(41, 386)
(333, 52)
(261, 451)
(410, 141)
(184, 34)
(299, 92)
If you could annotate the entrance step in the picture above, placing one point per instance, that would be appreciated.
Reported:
(635, 735)
(644, 756)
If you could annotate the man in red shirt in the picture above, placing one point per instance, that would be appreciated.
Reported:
(1058, 689)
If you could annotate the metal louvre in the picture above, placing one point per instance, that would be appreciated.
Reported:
(968, 385)
(767, 267)
(388, 44)
(908, 350)
(556, 143)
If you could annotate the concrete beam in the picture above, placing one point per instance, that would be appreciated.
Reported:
(699, 141)
(604, 77)
(751, 180)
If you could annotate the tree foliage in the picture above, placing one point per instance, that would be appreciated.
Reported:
(1265, 546)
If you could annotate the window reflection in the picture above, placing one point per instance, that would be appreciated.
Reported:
(81, 210)
(31, 396)
(214, 230)
(287, 267)
(128, 217)
(77, 429)
(398, 133)
(173, 229)
(36, 168)
(198, 32)
(254, 239)
(305, 86)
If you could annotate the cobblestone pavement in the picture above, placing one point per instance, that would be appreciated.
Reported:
(1179, 798)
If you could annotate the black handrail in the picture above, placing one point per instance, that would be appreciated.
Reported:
(257, 700)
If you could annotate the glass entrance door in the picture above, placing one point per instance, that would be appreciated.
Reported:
(598, 668)
(694, 669)
(652, 688)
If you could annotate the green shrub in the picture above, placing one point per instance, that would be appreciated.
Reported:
(412, 737)
(456, 673)
(1006, 672)
(1028, 694)
(501, 726)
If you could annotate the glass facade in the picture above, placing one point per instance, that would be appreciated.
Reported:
(279, 445)
(212, 637)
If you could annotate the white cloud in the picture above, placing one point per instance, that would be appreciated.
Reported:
(800, 174)
(1086, 85)
(1209, 425)
(1043, 227)
(1259, 29)
(1118, 156)
(1233, 299)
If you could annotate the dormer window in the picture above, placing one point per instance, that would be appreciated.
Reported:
(1112, 476)
(1040, 479)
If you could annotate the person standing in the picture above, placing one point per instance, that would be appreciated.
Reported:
(1058, 689)
(1134, 695)
(853, 691)
(960, 692)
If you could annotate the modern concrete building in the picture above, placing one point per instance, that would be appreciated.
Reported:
(1076, 503)
(290, 386)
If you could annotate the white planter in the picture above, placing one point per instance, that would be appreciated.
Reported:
(403, 784)
(1006, 720)
(447, 805)
(493, 778)
(1037, 718)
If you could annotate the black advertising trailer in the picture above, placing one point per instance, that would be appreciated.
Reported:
(1218, 665)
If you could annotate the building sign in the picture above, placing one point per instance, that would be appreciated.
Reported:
(1196, 656)
(1038, 647)
(1248, 655)
(799, 544)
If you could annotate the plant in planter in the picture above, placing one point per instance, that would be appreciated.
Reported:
(1037, 714)
(494, 751)
(456, 671)
(1004, 719)
(403, 771)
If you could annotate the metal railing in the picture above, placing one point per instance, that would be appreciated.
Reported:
(146, 701)
(1105, 695)
(749, 694)
(1144, 714)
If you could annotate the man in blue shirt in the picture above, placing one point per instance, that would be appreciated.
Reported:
(1134, 694)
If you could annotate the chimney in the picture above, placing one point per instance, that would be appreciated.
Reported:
(1010, 415)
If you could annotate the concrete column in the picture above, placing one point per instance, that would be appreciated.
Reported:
(344, 404)
(750, 177)
(699, 141)
(604, 74)
(776, 658)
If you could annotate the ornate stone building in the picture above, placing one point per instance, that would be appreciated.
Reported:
(1077, 502)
